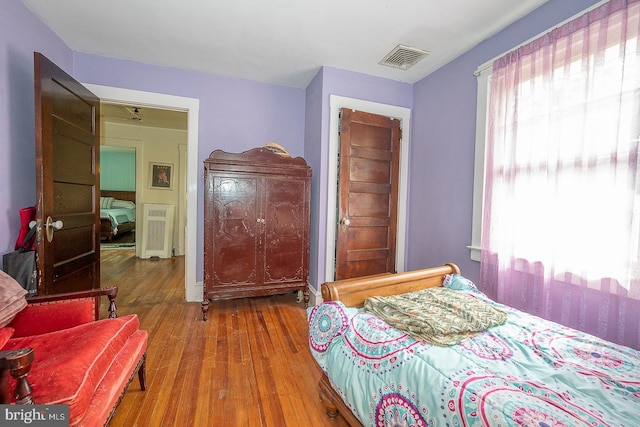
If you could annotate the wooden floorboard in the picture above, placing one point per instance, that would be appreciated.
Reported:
(248, 365)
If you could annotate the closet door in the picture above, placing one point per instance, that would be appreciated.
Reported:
(285, 236)
(236, 230)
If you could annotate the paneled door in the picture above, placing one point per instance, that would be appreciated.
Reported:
(369, 164)
(67, 181)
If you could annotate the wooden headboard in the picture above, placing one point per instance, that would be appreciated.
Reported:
(353, 292)
(120, 195)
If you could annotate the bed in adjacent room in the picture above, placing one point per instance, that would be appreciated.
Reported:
(117, 213)
(457, 358)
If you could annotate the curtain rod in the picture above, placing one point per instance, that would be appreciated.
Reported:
(489, 63)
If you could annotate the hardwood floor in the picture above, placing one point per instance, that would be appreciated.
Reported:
(248, 365)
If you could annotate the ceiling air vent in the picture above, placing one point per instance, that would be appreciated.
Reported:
(403, 57)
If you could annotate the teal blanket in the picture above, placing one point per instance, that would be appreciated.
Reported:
(524, 372)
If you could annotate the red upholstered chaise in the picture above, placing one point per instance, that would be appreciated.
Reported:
(58, 352)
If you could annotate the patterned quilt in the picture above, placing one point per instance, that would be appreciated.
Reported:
(525, 372)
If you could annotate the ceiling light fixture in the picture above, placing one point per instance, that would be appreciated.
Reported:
(135, 112)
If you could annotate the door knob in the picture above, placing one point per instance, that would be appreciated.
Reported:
(345, 223)
(52, 225)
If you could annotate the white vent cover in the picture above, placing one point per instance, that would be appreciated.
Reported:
(157, 233)
(403, 57)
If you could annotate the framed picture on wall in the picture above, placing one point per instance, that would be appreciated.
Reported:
(161, 175)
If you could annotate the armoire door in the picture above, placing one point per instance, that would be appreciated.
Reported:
(285, 201)
(236, 236)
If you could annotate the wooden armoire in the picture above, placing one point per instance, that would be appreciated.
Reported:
(256, 225)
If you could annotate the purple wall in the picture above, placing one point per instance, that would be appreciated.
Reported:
(443, 144)
(314, 148)
(21, 33)
(235, 115)
(333, 81)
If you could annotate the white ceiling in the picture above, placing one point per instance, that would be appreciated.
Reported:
(284, 42)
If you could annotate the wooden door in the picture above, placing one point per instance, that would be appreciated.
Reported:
(67, 181)
(367, 194)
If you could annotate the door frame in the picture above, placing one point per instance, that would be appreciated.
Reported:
(404, 115)
(193, 290)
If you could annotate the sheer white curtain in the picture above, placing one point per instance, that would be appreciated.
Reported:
(561, 221)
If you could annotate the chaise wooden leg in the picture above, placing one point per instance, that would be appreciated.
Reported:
(18, 364)
(142, 373)
(205, 309)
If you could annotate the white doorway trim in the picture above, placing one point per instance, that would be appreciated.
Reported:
(402, 113)
(182, 200)
(192, 107)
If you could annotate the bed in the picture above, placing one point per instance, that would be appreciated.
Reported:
(524, 372)
(117, 213)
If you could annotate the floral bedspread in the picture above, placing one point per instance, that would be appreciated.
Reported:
(525, 372)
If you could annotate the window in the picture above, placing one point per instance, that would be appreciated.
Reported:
(560, 217)
(597, 122)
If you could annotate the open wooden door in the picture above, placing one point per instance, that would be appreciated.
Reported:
(67, 181)
(367, 194)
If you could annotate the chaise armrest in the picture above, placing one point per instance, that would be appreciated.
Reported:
(50, 313)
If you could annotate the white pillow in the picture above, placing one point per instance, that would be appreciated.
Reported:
(12, 298)
(123, 204)
(106, 202)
